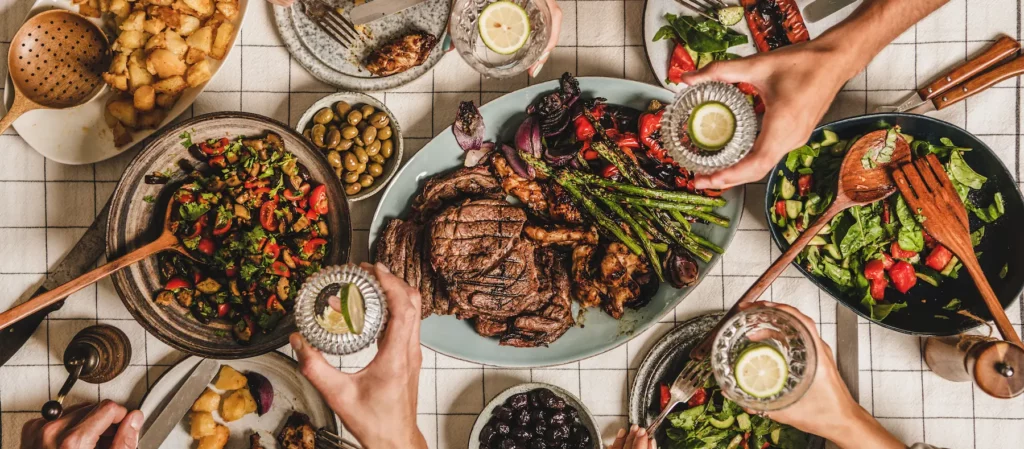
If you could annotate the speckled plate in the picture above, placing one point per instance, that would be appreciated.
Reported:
(663, 363)
(291, 393)
(455, 338)
(570, 399)
(332, 63)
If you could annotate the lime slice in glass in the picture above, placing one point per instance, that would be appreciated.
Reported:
(352, 308)
(504, 27)
(761, 371)
(711, 125)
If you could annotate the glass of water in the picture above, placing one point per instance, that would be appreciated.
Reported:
(715, 103)
(764, 359)
(478, 35)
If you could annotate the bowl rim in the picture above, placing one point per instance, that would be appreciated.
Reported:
(397, 136)
(588, 418)
(776, 234)
(122, 189)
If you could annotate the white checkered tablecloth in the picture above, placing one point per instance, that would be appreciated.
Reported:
(45, 207)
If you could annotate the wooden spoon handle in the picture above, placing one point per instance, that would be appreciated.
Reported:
(37, 303)
(991, 300)
(702, 350)
(20, 106)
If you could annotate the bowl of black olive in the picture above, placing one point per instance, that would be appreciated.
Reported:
(535, 416)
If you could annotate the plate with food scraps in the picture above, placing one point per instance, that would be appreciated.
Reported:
(921, 288)
(514, 280)
(259, 396)
(402, 46)
(187, 55)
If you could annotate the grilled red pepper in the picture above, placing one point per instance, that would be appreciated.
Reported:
(648, 125)
(775, 23)
(627, 140)
(938, 258)
(680, 63)
(903, 276)
(584, 129)
(609, 171)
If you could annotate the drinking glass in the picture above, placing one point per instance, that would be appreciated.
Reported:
(467, 41)
(761, 326)
(312, 302)
(677, 139)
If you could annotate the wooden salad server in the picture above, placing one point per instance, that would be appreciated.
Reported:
(166, 241)
(928, 190)
(858, 186)
(56, 61)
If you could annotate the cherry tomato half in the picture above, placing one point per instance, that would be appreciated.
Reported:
(207, 246)
(318, 199)
(267, 217)
(223, 309)
(272, 250)
(176, 283)
(312, 246)
(280, 269)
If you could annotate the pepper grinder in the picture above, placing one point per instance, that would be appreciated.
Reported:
(996, 366)
(97, 354)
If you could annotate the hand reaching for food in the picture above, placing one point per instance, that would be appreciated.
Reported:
(386, 390)
(556, 28)
(634, 438)
(85, 426)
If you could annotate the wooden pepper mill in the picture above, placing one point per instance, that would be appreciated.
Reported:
(96, 355)
(996, 366)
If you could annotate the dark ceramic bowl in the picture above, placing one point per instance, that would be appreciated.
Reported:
(924, 314)
(134, 222)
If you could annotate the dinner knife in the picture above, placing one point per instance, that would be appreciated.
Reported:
(370, 11)
(963, 81)
(79, 260)
(181, 402)
(820, 9)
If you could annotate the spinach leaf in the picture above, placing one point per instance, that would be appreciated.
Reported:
(910, 239)
(904, 214)
(790, 438)
(665, 32)
(990, 213)
(704, 43)
(794, 158)
(839, 275)
(880, 311)
(963, 173)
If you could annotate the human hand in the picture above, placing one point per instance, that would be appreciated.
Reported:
(377, 404)
(556, 29)
(636, 438)
(796, 92)
(85, 426)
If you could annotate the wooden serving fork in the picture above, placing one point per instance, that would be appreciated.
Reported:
(929, 192)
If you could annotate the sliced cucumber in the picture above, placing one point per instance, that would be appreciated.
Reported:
(825, 230)
(721, 424)
(928, 275)
(907, 137)
(793, 209)
(948, 269)
(790, 234)
(818, 241)
(743, 420)
(735, 442)
(829, 137)
(788, 189)
(833, 251)
(694, 56)
(704, 59)
(807, 160)
(731, 15)
(776, 434)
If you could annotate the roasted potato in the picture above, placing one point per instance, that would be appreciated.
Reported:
(144, 98)
(120, 8)
(194, 55)
(121, 134)
(165, 64)
(237, 404)
(201, 39)
(134, 21)
(124, 111)
(152, 119)
(130, 40)
(225, 33)
(208, 401)
(218, 440)
(165, 100)
(170, 86)
(89, 9)
(116, 82)
(119, 64)
(160, 2)
(175, 43)
(202, 425)
(138, 74)
(230, 379)
(228, 7)
(203, 7)
(188, 24)
(199, 73)
(154, 25)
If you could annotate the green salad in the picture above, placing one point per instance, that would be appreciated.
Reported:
(865, 250)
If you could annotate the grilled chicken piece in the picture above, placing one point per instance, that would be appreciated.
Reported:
(531, 193)
(254, 441)
(297, 433)
(561, 235)
(401, 54)
(585, 289)
(617, 269)
(561, 207)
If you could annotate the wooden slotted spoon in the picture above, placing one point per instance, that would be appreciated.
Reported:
(858, 186)
(56, 61)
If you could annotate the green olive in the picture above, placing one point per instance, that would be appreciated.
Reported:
(352, 189)
(384, 133)
(367, 110)
(359, 141)
(360, 168)
(344, 145)
(377, 158)
(341, 108)
(366, 180)
(361, 154)
(338, 171)
(375, 169)
(379, 120)
(317, 133)
(333, 137)
(351, 162)
(354, 117)
(307, 134)
(373, 148)
(323, 116)
(349, 132)
(386, 148)
(361, 126)
(350, 176)
(369, 134)
(334, 158)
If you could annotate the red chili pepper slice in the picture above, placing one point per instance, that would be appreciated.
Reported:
(207, 246)
(176, 283)
(280, 269)
(318, 199)
(267, 217)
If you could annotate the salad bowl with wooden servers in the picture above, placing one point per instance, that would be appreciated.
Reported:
(877, 259)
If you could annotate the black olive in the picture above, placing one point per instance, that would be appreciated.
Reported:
(503, 428)
(557, 418)
(539, 416)
(503, 413)
(558, 433)
(518, 401)
(580, 437)
(155, 179)
(521, 434)
(507, 444)
(540, 427)
(303, 172)
(523, 417)
(558, 404)
(538, 444)
(543, 394)
(573, 415)
(487, 434)
(535, 398)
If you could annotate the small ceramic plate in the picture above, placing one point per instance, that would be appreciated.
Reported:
(292, 393)
(334, 64)
(83, 136)
(663, 363)
(392, 164)
(570, 399)
(659, 53)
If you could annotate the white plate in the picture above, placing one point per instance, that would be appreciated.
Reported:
(292, 392)
(83, 136)
(659, 53)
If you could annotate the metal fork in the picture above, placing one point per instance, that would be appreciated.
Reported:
(695, 374)
(331, 21)
(703, 6)
(326, 439)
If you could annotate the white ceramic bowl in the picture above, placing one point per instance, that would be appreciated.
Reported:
(585, 416)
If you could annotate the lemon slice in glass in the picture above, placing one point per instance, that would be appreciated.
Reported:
(504, 27)
(711, 125)
(761, 371)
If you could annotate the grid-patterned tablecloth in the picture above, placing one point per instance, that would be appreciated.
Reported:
(45, 207)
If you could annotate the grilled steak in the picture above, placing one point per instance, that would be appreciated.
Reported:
(471, 239)
(466, 182)
(504, 291)
(553, 319)
(401, 54)
(488, 328)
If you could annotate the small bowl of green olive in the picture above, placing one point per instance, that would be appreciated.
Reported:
(359, 137)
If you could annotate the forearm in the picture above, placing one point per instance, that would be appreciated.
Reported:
(862, 430)
(874, 25)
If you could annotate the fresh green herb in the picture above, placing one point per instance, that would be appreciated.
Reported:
(192, 211)
(954, 304)
(186, 139)
(191, 242)
(1004, 271)
(149, 199)
(942, 317)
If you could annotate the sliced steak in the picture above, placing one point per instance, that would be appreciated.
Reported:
(555, 317)
(387, 243)
(472, 238)
(488, 328)
(466, 182)
(502, 292)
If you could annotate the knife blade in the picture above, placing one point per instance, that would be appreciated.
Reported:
(821, 9)
(370, 11)
(79, 260)
(181, 402)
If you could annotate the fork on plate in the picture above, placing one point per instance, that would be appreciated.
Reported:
(340, 29)
(326, 439)
(695, 374)
(703, 6)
